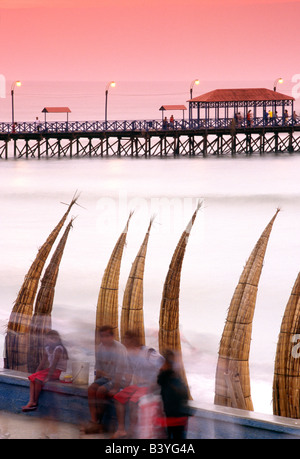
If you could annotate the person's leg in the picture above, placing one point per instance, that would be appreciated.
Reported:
(101, 401)
(120, 410)
(96, 399)
(38, 385)
(121, 400)
(34, 393)
(133, 415)
(133, 409)
(92, 401)
(32, 400)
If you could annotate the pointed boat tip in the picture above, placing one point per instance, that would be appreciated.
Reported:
(72, 220)
(153, 217)
(128, 220)
(73, 200)
(199, 204)
(191, 222)
(275, 215)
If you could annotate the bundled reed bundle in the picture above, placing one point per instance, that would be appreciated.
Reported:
(169, 334)
(16, 342)
(132, 315)
(286, 382)
(232, 387)
(107, 305)
(41, 319)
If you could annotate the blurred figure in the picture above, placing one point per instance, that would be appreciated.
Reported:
(143, 365)
(174, 395)
(295, 117)
(286, 117)
(53, 362)
(165, 123)
(111, 368)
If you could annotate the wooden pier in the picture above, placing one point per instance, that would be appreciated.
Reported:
(227, 122)
(151, 143)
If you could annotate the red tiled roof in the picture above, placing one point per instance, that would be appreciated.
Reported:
(239, 95)
(173, 107)
(56, 110)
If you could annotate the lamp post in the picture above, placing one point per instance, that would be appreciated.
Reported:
(110, 84)
(15, 83)
(279, 80)
(191, 96)
(192, 85)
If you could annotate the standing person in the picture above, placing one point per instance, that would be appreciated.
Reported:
(270, 113)
(53, 362)
(165, 123)
(38, 124)
(286, 117)
(174, 393)
(110, 369)
(143, 366)
(239, 118)
(172, 121)
(249, 118)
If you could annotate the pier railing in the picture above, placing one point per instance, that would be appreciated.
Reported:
(141, 125)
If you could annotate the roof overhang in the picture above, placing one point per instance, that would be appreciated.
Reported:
(173, 107)
(241, 95)
(56, 110)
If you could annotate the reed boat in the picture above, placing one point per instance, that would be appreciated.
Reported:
(132, 315)
(108, 299)
(17, 333)
(232, 386)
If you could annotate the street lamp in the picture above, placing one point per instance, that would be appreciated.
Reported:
(192, 85)
(15, 83)
(279, 80)
(110, 84)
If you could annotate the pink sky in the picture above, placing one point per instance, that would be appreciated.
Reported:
(149, 40)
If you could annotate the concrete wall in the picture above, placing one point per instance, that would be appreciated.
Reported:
(63, 402)
(68, 403)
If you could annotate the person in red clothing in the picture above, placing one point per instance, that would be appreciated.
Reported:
(54, 361)
(174, 393)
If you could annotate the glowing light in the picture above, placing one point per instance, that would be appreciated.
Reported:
(279, 80)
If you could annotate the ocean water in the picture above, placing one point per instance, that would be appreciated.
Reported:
(239, 197)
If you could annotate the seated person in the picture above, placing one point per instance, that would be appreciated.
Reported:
(143, 364)
(110, 368)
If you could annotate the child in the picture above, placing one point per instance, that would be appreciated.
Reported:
(174, 395)
(54, 361)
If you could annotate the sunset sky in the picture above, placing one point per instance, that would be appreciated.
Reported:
(139, 40)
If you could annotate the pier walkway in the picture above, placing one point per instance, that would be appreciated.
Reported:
(148, 138)
(221, 122)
